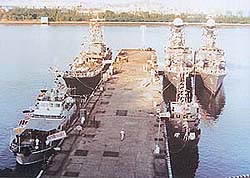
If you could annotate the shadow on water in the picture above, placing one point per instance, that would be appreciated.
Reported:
(211, 106)
(21, 171)
(185, 162)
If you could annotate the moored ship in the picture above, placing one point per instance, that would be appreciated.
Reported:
(87, 69)
(178, 55)
(209, 60)
(44, 125)
(184, 117)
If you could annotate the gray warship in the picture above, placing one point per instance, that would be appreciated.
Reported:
(209, 60)
(87, 69)
(178, 55)
(184, 116)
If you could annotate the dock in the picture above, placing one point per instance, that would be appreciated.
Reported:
(128, 100)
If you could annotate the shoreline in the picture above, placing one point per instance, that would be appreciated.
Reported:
(117, 23)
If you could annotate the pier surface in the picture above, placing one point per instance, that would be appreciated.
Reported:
(126, 103)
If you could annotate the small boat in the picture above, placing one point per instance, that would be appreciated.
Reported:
(184, 116)
(178, 55)
(44, 125)
(87, 69)
(209, 60)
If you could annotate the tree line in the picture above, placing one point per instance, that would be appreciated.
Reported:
(56, 14)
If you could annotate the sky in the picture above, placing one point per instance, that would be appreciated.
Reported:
(182, 5)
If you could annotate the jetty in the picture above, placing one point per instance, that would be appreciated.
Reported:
(129, 100)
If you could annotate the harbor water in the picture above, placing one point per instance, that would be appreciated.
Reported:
(28, 51)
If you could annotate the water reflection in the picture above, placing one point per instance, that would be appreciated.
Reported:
(185, 162)
(211, 105)
(21, 171)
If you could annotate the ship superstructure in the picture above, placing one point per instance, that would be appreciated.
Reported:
(178, 55)
(209, 60)
(86, 70)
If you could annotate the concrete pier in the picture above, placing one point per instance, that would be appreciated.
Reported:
(129, 102)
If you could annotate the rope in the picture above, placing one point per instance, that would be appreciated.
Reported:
(166, 87)
(168, 157)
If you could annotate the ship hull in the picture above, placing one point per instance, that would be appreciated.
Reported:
(177, 144)
(212, 82)
(83, 85)
(211, 105)
(34, 157)
(86, 85)
(184, 154)
(172, 77)
(169, 90)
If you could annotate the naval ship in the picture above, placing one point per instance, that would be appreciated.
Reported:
(209, 60)
(44, 125)
(177, 54)
(184, 116)
(86, 70)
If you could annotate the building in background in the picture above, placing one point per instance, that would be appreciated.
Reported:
(44, 20)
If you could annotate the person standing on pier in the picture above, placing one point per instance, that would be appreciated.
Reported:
(122, 134)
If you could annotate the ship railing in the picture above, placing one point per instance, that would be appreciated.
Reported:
(82, 74)
(215, 71)
(48, 98)
(31, 146)
(16, 145)
(47, 116)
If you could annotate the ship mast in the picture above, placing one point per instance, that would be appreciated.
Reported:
(210, 34)
(181, 94)
(96, 36)
(177, 34)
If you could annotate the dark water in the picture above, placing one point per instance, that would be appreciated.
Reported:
(28, 51)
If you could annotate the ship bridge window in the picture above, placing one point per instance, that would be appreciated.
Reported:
(47, 116)
(43, 105)
(57, 105)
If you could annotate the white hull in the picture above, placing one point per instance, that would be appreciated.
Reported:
(212, 82)
(41, 155)
(34, 157)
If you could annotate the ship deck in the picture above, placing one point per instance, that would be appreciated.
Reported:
(127, 102)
